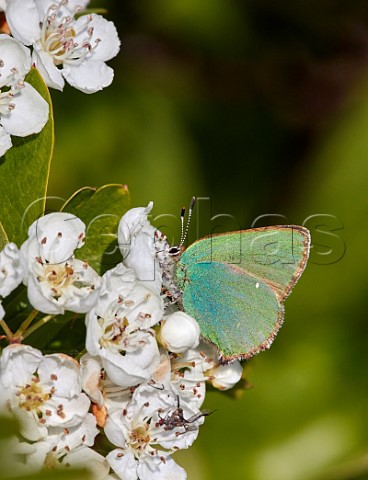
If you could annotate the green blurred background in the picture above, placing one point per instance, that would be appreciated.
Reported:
(262, 107)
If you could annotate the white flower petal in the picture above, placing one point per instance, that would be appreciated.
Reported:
(12, 269)
(142, 259)
(54, 238)
(23, 20)
(14, 55)
(105, 33)
(190, 385)
(30, 113)
(88, 76)
(162, 374)
(34, 461)
(123, 464)
(49, 71)
(62, 372)
(5, 141)
(115, 429)
(85, 457)
(137, 245)
(165, 470)
(29, 426)
(2, 5)
(81, 435)
(119, 279)
(130, 225)
(17, 364)
(91, 378)
(133, 368)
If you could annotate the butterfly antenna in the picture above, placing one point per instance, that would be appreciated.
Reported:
(191, 207)
(182, 216)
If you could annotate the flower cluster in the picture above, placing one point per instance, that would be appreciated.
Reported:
(142, 379)
(64, 44)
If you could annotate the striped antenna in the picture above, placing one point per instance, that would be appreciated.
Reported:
(184, 237)
(182, 216)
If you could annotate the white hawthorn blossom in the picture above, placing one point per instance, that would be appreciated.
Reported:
(143, 378)
(42, 392)
(56, 280)
(12, 269)
(147, 432)
(60, 442)
(65, 47)
(119, 328)
(204, 365)
(22, 109)
(221, 376)
(62, 448)
(137, 245)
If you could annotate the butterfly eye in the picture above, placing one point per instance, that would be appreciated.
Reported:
(174, 251)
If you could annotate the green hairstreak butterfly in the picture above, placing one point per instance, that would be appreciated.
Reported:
(234, 284)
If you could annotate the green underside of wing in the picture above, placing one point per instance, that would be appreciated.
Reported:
(237, 313)
(274, 255)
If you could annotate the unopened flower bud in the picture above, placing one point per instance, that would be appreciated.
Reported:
(180, 332)
(225, 377)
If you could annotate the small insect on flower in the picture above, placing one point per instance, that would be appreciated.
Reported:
(177, 419)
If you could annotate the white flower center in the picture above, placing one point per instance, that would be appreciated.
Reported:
(60, 278)
(32, 396)
(58, 35)
(143, 439)
(139, 438)
(116, 327)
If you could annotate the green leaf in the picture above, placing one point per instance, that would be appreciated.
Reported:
(101, 211)
(24, 173)
(3, 237)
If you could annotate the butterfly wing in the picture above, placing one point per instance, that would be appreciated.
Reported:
(234, 284)
(237, 313)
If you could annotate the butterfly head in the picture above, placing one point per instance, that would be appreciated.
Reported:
(168, 257)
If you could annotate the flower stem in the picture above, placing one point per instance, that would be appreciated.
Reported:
(27, 322)
(37, 325)
(8, 332)
(80, 354)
